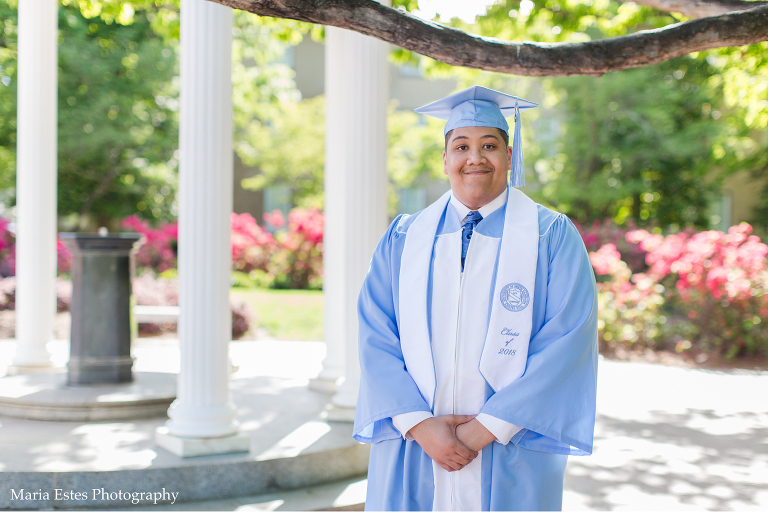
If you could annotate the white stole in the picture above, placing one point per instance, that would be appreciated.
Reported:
(509, 330)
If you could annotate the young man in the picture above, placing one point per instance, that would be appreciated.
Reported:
(478, 334)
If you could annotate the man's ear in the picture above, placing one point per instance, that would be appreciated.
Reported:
(445, 168)
(509, 157)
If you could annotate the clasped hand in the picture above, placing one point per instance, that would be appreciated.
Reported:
(452, 441)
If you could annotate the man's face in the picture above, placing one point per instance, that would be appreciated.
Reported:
(476, 160)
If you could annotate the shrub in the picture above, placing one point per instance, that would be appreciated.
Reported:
(608, 232)
(8, 294)
(720, 287)
(298, 258)
(242, 318)
(628, 305)
(8, 251)
(151, 291)
(252, 245)
(158, 250)
(63, 295)
(63, 257)
(147, 291)
(291, 258)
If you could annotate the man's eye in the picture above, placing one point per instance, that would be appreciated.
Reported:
(461, 148)
(489, 146)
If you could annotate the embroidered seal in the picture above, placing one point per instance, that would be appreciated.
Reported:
(514, 297)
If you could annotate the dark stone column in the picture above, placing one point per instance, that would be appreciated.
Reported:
(100, 344)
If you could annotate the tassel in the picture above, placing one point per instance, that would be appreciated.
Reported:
(517, 176)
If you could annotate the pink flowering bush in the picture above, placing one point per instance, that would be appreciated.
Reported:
(289, 258)
(63, 257)
(7, 249)
(8, 252)
(720, 287)
(608, 232)
(297, 261)
(628, 304)
(252, 245)
(158, 250)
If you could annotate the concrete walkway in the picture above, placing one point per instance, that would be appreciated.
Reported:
(292, 446)
(666, 438)
(674, 439)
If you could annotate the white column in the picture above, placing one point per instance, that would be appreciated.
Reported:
(36, 184)
(334, 230)
(356, 186)
(203, 408)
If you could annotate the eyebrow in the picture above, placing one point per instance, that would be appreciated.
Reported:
(486, 136)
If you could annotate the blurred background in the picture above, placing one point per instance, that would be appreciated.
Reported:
(663, 168)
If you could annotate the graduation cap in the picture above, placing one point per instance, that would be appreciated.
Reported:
(480, 106)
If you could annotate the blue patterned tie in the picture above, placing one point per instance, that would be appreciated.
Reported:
(467, 227)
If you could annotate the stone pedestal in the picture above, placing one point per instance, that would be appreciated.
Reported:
(101, 335)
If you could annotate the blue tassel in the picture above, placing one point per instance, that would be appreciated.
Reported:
(517, 176)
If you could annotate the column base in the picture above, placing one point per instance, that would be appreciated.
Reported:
(198, 446)
(16, 369)
(346, 396)
(84, 371)
(338, 414)
(327, 386)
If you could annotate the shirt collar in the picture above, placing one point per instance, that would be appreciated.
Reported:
(462, 211)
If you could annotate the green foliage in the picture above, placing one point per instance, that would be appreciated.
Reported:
(8, 55)
(675, 139)
(635, 152)
(162, 14)
(629, 307)
(653, 125)
(118, 126)
(164, 17)
(414, 150)
(288, 148)
(548, 21)
(270, 121)
(117, 118)
(414, 154)
(743, 75)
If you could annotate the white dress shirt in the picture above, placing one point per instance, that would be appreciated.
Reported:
(502, 430)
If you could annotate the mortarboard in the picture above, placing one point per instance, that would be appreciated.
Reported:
(480, 106)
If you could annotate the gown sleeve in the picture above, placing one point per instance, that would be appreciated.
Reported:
(554, 400)
(386, 388)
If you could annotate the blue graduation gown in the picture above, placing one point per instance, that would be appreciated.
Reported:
(553, 401)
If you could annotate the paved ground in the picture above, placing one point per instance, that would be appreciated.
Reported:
(675, 439)
(666, 438)
(270, 388)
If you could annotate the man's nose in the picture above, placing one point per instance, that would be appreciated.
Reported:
(475, 156)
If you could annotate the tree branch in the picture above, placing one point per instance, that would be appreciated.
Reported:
(699, 8)
(458, 48)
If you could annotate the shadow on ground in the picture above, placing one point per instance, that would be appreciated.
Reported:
(698, 459)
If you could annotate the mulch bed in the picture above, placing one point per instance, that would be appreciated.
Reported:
(688, 359)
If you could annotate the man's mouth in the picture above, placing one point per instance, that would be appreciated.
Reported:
(477, 171)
